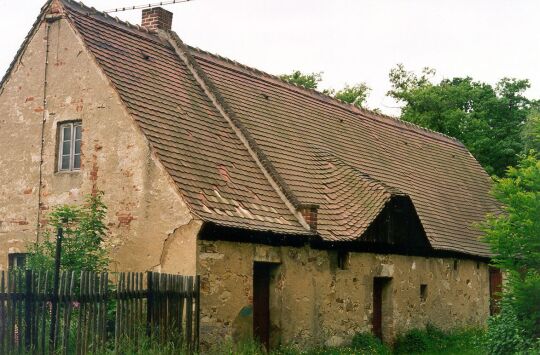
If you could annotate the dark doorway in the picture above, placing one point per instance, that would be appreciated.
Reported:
(261, 302)
(495, 289)
(379, 286)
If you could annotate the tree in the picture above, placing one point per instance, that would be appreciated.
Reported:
(514, 237)
(82, 245)
(308, 81)
(488, 120)
(531, 131)
(355, 94)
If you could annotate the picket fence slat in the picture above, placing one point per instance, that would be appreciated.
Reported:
(96, 311)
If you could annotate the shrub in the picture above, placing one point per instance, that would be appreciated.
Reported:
(505, 333)
(369, 344)
(413, 341)
(82, 244)
(513, 237)
(433, 340)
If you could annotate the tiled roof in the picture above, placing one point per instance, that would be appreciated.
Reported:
(218, 178)
(230, 138)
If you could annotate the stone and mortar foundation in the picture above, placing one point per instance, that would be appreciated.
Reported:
(314, 302)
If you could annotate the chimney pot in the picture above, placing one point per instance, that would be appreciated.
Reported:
(156, 18)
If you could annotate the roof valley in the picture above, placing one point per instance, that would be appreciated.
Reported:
(260, 158)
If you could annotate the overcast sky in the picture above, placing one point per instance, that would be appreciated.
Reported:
(348, 40)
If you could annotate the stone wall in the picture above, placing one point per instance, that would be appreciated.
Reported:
(146, 211)
(314, 302)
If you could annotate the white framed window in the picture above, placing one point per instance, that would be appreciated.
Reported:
(69, 146)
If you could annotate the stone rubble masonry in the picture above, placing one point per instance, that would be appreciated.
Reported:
(313, 302)
(146, 210)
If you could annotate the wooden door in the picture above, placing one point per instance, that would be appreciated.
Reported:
(378, 284)
(495, 289)
(261, 303)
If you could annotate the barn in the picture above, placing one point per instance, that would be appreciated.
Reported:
(308, 220)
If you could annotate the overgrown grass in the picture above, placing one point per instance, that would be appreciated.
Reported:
(429, 341)
(433, 341)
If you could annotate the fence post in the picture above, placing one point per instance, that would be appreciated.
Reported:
(56, 284)
(28, 310)
(149, 302)
(197, 311)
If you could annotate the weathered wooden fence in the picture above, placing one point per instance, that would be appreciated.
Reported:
(96, 311)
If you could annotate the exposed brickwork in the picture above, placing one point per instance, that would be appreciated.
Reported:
(309, 212)
(144, 207)
(156, 18)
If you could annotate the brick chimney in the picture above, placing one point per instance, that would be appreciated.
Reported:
(156, 18)
(309, 212)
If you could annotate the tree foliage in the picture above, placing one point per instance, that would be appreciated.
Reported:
(355, 94)
(305, 80)
(514, 237)
(82, 244)
(531, 131)
(488, 120)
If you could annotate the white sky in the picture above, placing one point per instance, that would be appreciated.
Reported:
(349, 40)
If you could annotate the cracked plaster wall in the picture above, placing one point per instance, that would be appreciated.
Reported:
(145, 207)
(313, 302)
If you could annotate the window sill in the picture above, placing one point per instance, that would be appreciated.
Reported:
(67, 172)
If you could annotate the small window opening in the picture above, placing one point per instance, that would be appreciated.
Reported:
(343, 260)
(69, 146)
(423, 292)
(16, 261)
(455, 265)
(477, 265)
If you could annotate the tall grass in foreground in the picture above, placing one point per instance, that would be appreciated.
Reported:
(429, 341)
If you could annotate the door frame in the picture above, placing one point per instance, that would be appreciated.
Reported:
(381, 309)
(262, 283)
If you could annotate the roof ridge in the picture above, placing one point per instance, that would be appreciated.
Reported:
(106, 15)
(320, 95)
(214, 95)
(331, 100)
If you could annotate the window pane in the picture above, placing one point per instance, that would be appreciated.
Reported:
(77, 161)
(78, 132)
(65, 162)
(69, 148)
(66, 147)
(67, 133)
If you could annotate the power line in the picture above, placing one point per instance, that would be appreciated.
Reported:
(137, 7)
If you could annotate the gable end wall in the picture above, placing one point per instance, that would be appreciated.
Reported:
(146, 212)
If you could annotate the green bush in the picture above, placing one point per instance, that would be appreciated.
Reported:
(413, 341)
(505, 333)
(433, 340)
(84, 230)
(514, 240)
(367, 343)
